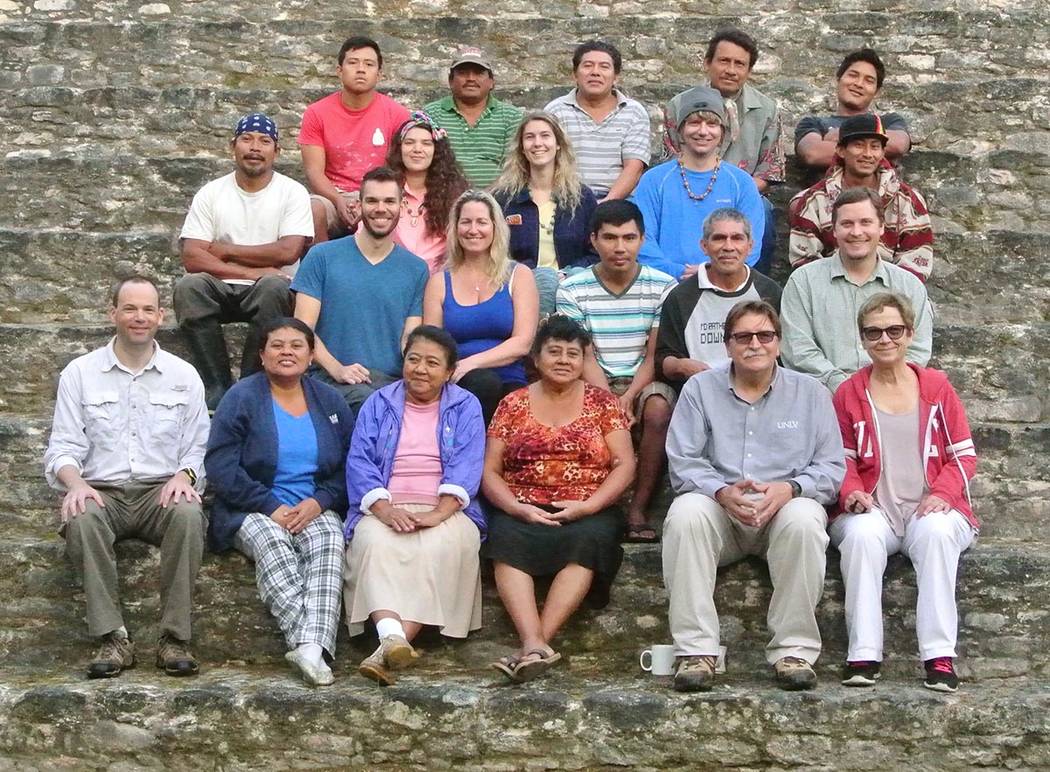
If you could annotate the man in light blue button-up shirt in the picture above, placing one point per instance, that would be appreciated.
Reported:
(754, 453)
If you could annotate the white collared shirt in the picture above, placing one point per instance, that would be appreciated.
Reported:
(117, 426)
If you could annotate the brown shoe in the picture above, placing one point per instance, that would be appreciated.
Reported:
(115, 655)
(174, 657)
(374, 667)
(695, 674)
(794, 674)
(397, 652)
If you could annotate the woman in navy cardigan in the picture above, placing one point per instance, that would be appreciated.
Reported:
(276, 462)
(548, 210)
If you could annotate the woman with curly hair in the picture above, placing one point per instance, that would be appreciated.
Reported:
(548, 209)
(423, 159)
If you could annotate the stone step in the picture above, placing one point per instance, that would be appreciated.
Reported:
(999, 369)
(44, 189)
(235, 718)
(1011, 494)
(980, 276)
(1004, 627)
(62, 274)
(58, 274)
(155, 117)
(418, 44)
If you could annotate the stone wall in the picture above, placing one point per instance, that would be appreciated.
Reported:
(113, 113)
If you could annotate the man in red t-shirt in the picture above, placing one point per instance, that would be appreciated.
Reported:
(345, 135)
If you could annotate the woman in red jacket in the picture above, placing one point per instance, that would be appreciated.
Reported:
(909, 460)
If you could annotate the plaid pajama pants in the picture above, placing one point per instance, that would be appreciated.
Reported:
(300, 576)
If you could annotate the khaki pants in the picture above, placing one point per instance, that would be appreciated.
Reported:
(699, 536)
(132, 511)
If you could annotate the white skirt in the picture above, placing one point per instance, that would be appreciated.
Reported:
(430, 576)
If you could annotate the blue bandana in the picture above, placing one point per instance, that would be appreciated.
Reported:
(259, 122)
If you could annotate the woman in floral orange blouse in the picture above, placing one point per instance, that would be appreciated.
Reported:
(558, 458)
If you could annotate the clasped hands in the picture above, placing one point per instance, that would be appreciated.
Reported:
(295, 519)
(754, 503)
(403, 521)
(567, 511)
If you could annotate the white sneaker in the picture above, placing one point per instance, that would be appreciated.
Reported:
(313, 674)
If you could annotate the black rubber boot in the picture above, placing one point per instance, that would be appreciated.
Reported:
(207, 347)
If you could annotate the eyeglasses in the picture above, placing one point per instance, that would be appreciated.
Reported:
(744, 338)
(895, 331)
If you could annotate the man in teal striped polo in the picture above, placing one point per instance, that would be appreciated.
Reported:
(619, 302)
(479, 126)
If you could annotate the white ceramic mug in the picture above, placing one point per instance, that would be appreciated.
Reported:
(661, 660)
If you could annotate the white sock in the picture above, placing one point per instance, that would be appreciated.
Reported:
(312, 652)
(389, 626)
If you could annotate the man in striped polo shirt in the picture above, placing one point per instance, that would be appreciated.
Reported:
(608, 130)
(619, 302)
(479, 126)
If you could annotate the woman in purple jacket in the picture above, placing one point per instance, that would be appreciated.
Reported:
(414, 526)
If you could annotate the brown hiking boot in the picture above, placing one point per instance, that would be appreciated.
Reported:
(174, 657)
(794, 673)
(115, 655)
(695, 674)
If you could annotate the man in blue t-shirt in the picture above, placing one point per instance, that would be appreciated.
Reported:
(362, 294)
(676, 196)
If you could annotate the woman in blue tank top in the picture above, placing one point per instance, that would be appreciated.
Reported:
(487, 302)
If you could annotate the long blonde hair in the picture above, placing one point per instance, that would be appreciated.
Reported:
(499, 264)
(515, 174)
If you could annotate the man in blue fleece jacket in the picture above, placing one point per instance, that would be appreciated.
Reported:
(676, 196)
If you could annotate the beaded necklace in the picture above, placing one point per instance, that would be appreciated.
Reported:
(413, 214)
(710, 186)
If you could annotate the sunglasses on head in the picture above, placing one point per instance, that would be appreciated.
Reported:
(744, 338)
(895, 331)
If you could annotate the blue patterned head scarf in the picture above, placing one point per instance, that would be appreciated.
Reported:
(259, 122)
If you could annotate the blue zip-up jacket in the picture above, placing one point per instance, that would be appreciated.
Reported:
(241, 460)
(572, 236)
(461, 444)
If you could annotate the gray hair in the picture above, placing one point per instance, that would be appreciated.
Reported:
(726, 214)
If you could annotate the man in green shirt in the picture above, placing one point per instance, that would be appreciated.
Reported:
(479, 126)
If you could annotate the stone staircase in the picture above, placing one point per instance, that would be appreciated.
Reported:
(112, 114)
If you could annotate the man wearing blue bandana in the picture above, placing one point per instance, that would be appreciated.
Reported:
(241, 245)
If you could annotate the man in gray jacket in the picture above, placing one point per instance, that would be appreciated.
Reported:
(754, 453)
(821, 299)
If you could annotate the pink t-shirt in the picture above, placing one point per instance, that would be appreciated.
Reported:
(416, 474)
(414, 237)
(354, 141)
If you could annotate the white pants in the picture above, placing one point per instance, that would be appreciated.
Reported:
(933, 543)
(699, 536)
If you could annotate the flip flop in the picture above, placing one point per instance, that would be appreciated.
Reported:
(640, 533)
(506, 665)
(528, 669)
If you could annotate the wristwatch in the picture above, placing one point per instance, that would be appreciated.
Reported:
(796, 489)
(191, 474)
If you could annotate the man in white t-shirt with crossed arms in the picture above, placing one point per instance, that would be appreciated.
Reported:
(241, 245)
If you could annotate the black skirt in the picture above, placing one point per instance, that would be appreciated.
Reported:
(542, 550)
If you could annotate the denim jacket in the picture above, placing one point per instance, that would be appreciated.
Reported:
(572, 237)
